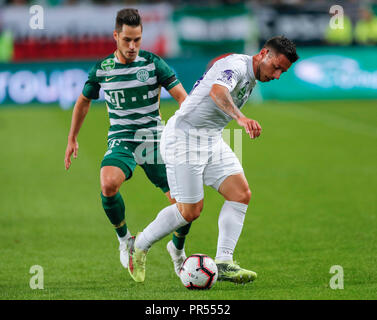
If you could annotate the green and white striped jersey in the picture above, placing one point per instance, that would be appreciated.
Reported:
(132, 94)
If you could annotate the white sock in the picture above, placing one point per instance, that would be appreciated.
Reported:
(168, 220)
(231, 218)
(124, 238)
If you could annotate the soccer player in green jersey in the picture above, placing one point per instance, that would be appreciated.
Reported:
(131, 79)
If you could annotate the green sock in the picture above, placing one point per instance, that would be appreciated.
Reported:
(114, 208)
(179, 236)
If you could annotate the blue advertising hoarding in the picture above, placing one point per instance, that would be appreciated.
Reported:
(320, 73)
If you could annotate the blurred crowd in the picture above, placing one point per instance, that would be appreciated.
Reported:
(359, 26)
(177, 2)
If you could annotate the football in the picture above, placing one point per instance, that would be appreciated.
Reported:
(198, 272)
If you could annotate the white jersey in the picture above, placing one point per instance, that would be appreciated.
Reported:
(191, 144)
(199, 111)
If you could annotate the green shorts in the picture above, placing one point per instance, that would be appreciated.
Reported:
(127, 154)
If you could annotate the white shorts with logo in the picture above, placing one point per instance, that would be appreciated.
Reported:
(191, 162)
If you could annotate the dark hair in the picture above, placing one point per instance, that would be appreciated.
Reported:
(129, 17)
(284, 46)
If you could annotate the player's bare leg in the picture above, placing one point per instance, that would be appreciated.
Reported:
(111, 180)
(171, 200)
(236, 188)
(237, 194)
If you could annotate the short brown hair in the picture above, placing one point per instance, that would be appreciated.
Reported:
(129, 17)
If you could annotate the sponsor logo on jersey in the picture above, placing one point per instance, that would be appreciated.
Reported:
(142, 75)
(108, 64)
(109, 78)
(226, 76)
(242, 92)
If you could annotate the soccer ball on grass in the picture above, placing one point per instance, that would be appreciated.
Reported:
(198, 272)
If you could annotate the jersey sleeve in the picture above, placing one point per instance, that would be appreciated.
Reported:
(227, 75)
(165, 75)
(92, 86)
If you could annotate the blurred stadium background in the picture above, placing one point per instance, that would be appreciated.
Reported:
(313, 175)
(50, 65)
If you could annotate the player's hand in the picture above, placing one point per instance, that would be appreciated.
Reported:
(252, 127)
(72, 147)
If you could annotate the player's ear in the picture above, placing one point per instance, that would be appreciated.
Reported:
(264, 52)
(115, 35)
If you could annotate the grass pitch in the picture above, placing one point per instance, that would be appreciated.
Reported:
(313, 175)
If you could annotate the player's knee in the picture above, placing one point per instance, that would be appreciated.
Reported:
(244, 196)
(192, 215)
(109, 187)
(193, 212)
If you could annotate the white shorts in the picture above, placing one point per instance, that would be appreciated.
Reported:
(191, 164)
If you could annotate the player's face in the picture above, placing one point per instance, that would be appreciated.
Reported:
(272, 66)
(128, 42)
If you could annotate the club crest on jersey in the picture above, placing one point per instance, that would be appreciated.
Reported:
(226, 76)
(142, 75)
(108, 64)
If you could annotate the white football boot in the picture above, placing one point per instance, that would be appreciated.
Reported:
(177, 256)
(123, 249)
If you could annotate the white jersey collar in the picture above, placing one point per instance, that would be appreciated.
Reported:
(251, 69)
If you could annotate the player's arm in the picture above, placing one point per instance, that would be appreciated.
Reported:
(79, 112)
(167, 78)
(90, 91)
(178, 93)
(221, 96)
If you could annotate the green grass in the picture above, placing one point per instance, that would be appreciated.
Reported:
(313, 176)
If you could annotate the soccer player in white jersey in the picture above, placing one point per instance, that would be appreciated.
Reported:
(196, 129)
(131, 79)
